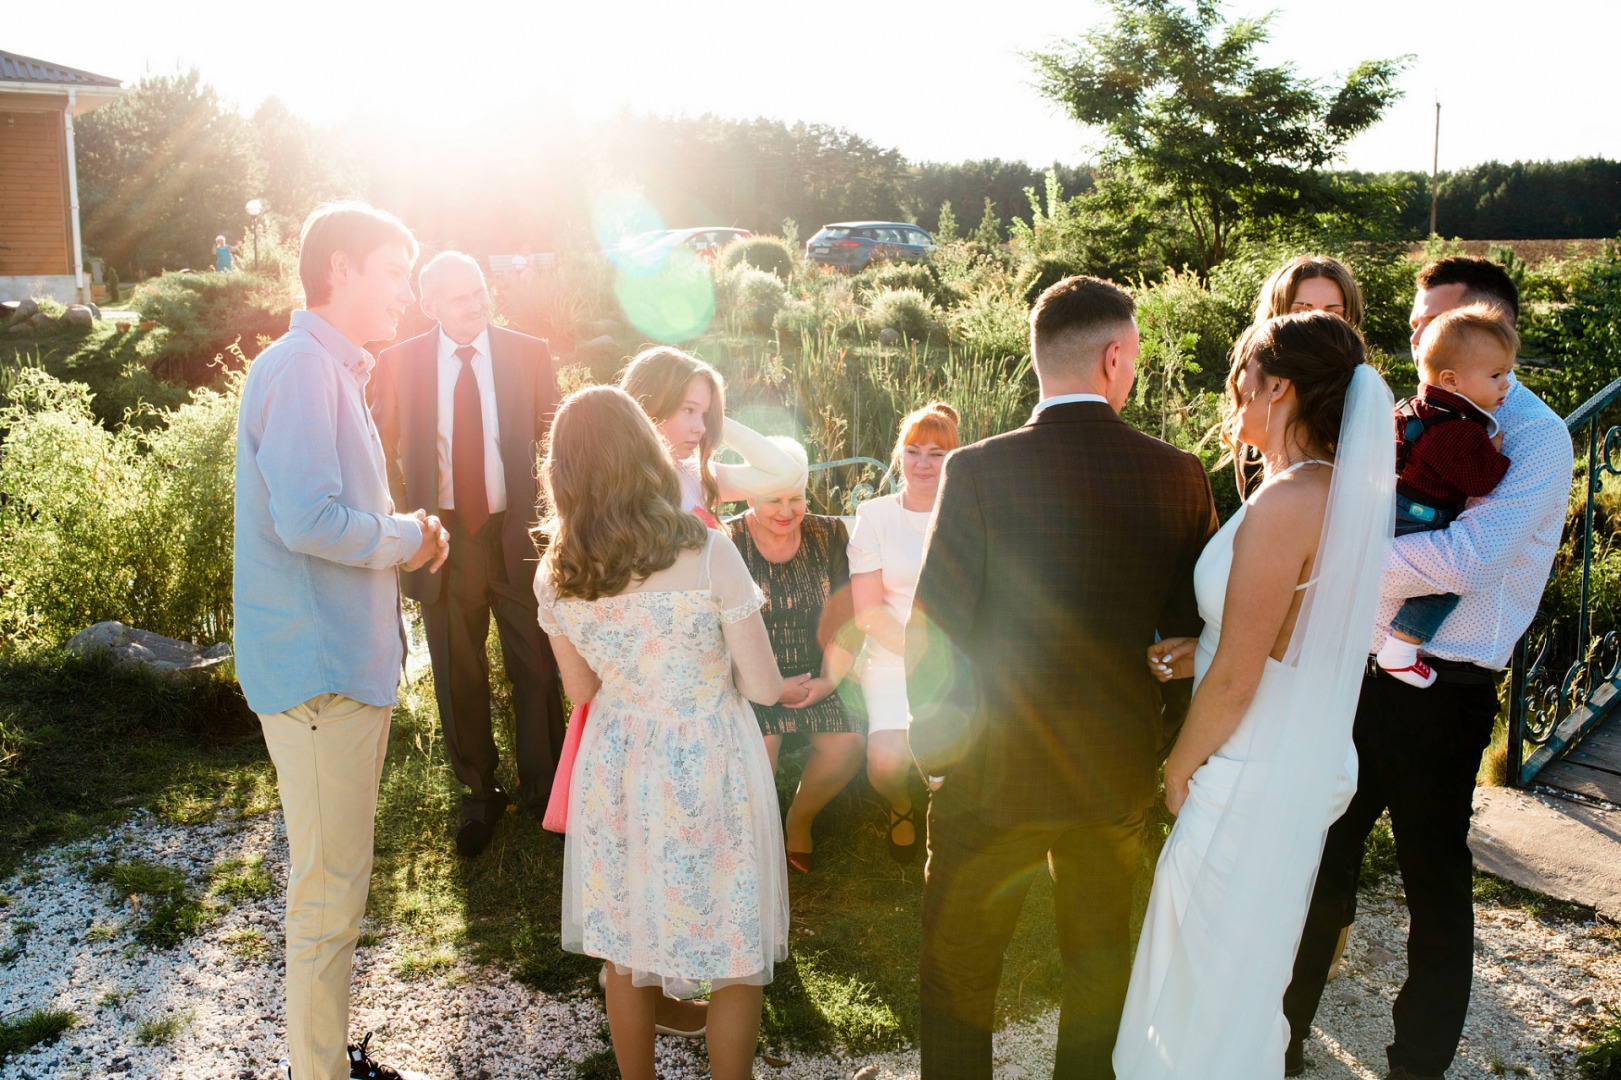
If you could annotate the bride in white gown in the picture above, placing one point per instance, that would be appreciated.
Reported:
(1264, 763)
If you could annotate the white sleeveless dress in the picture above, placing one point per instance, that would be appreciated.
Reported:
(1164, 954)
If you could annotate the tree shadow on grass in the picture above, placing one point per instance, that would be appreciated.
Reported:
(83, 742)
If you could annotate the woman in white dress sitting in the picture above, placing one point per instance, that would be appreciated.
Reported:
(673, 866)
(686, 399)
(886, 554)
(1264, 763)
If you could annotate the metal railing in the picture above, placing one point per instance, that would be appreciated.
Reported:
(862, 489)
(1566, 679)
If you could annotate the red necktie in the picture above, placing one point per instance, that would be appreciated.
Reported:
(467, 448)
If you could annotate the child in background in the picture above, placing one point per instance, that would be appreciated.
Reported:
(1448, 452)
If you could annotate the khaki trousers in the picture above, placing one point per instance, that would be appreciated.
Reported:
(329, 758)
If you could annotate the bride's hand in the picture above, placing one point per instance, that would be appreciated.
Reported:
(1176, 789)
(1172, 658)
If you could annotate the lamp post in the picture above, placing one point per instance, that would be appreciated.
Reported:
(255, 208)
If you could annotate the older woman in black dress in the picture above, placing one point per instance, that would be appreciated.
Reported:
(801, 564)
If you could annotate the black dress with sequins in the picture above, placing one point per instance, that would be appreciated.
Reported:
(807, 604)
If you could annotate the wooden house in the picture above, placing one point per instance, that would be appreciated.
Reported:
(41, 250)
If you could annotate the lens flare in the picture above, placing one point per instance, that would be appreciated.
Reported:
(622, 221)
(671, 304)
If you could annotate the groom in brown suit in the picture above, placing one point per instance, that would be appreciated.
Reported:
(1056, 552)
(462, 411)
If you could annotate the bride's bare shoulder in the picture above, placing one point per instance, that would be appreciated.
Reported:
(1292, 503)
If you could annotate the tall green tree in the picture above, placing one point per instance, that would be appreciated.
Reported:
(1185, 103)
(162, 171)
(300, 165)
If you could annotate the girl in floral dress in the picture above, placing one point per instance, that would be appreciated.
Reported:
(673, 867)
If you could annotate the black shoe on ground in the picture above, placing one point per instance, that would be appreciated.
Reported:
(1294, 1058)
(1401, 1072)
(362, 1067)
(902, 853)
(474, 835)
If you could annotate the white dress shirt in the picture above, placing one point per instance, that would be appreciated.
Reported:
(450, 369)
(1065, 399)
(1498, 552)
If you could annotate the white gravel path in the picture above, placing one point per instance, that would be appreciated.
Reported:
(1534, 985)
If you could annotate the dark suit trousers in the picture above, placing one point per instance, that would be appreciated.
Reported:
(974, 886)
(458, 625)
(1419, 751)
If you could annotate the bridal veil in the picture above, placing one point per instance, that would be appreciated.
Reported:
(1222, 995)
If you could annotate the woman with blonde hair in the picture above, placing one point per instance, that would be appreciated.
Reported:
(1311, 283)
(800, 562)
(886, 555)
(673, 867)
(686, 399)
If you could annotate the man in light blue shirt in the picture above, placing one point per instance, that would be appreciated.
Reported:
(319, 638)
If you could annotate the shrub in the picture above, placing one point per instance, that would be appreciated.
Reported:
(768, 253)
(199, 317)
(112, 285)
(889, 276)
(993, 323)
(1582, 335)
(796, 317)
(906, 311)
(1182, 367)
(755, 296)
(129, 524)
(1040, 272)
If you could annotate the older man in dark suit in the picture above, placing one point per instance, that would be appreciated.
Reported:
(462, 411)
(1056, 552)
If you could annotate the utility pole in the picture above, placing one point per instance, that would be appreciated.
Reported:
(1435, 165)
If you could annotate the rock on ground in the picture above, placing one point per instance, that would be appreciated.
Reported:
(164, 657)
(71, 946)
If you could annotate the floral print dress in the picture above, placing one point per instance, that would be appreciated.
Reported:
(673, 865)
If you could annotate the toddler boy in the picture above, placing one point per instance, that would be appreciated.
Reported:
(1448, 451)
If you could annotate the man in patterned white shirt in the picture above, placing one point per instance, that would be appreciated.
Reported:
(1420, 749)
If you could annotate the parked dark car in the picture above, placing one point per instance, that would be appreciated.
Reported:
(851, 245)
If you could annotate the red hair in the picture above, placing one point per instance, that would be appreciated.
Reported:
(935, 422)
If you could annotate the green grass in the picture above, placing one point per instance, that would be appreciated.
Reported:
(92, 742)
(851, 976)
(1496, 891)
(239, 879)
(98, 743)
(41, 1025)
(1600, 1058)
(161, 1030)
(250, 944)
(168, 910)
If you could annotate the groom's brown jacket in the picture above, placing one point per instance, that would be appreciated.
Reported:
(1056, 553)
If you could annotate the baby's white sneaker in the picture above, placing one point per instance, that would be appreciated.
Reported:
(1400, 660)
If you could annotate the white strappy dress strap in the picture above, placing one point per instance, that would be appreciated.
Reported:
(1290, 469)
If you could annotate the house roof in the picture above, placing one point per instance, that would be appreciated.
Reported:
(25, 69)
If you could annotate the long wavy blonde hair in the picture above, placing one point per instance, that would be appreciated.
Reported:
(613, 500)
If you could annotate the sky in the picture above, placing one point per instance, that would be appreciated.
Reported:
(942, 82)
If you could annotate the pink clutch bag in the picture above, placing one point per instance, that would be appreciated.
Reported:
(556, 819)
